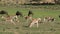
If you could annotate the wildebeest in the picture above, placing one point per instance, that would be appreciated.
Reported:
(19, 14)
(12, 18)
(3, 12)
(34, 21)
(30, 13)
(59, 16)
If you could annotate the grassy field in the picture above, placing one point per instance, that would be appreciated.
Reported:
(20, 28)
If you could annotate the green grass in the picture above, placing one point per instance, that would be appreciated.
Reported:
(46, 28)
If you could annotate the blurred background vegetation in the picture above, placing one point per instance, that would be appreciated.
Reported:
(22, 2)
(30, 3)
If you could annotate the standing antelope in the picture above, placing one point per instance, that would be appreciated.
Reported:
(34, 21)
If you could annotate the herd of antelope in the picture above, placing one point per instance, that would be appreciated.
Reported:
(14, 18)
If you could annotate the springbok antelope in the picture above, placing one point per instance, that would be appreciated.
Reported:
(50, 19)
(10, 19)
(34, 21)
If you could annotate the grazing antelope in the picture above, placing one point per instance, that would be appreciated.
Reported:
(10, 19)
(13, 17)
(34, 21)
(50, 19)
